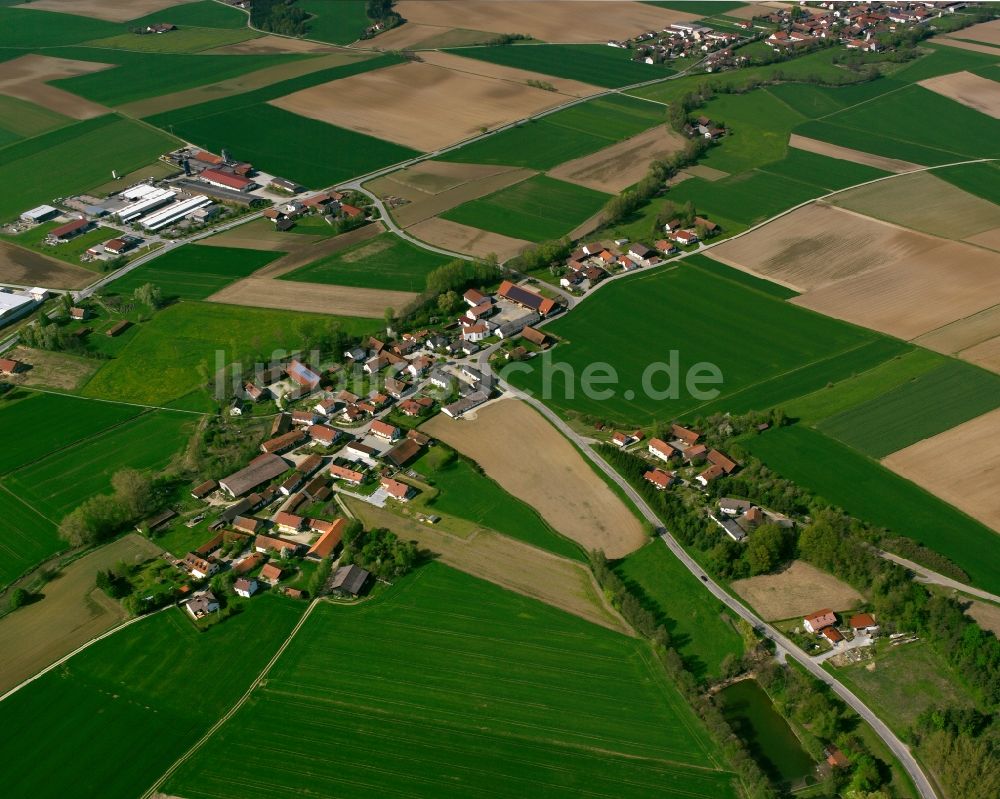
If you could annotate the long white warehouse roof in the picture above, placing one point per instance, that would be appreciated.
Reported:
(146, 204)
(174, 212)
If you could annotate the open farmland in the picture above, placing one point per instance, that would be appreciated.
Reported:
(22, 267)
(26, 441)
(123, 707)
(414, 98)
(87, 151)
(176, 352)
(847, 154)
(508, 72)
(23, 119)
(796, 591)
(928, 404)
(564, 135)
(463, 238)
(27, 538)
(556, 481)
(699, 630)
(959, 465)
(466, 492)
(316, 298)
(981, 94)
(384, 262)
(27, 78)
(597, 64)
(987, 32)
(194, 272)
(537, 209)
(183, 40)
(759, 338)
(71, 612)
(58, 483)
(869, 491)
(57, 371)
(981, 179)
(338, 23)
(27, 28)
(513, 699)
(110, 10)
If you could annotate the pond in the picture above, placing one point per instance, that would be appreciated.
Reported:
(768, 737)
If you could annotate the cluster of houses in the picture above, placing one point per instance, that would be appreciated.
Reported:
(738, 517)
(329, 205)
(509, 312)
(677, 40)
(824, 624)
(683, 445)
(858, 27)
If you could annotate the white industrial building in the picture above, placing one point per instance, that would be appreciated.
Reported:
(13, 306)
(40, 214)
(150, 202)
(175, 212)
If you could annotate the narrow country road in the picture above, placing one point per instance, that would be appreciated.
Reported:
(925, 575)
(785, 647)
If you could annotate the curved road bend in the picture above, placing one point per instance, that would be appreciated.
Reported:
(785, 647)
(925, 575)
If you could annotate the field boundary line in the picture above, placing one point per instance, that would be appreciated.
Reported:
(80, 649)
(29, 506)
(111, 401)
(232, 711)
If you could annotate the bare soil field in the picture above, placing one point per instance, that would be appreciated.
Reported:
(754, 9)
(706, 172)
(953, 213)
(263, 292)
(798, 590)
(568, 21)
(451, 37)
(422, 106)
(985, 354)
(963, 333)
(53, 369)
(473, 66)
(433, 205)
(470, 240)
(554, 478)
(266, 45)
(961, 466)
(970, 90)
(977, 48)
(847, 154)
(988, 238)
(986, 615)
(986, 32)
(240, 84)
(619, 166)
(26, 78)
(110, 10)
(505, 561)
(431, 177)
(71, 612)
(22, 267)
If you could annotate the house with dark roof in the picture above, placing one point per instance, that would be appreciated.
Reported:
(261, 469)
(526, 298)
(202, 604)
(350, 581)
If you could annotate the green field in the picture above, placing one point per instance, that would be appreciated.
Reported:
(632, 323)
(86, 152)
(27, 437)
(57, 484)
(200, 14)
(469, 494)
(691, 615)
(338, 23)
(920, 408)
(537, 209)
(194, 273)
(596, 64)
(983, 180)
(384, 262)
(831, 174)
(694, 7)
(29, 28)
(573, 132)
(26, 539)
(719, 269)
(179, 350)
(869, 491)
(184, 40)
(21, 119)
(447, 686)
(129, 706)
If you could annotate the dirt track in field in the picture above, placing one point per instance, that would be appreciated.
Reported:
(981, 94)
(22, 267)
(567, 21)
(507, 562)
(961, 466)
(526, 455)
(474, 66)
(26, 78)
(906, 200)
(435, 204)
(462, 238)
(239, 84)
(268, 45)
(109, 10)
(622, 164)
(262, 292)
(419, 105)
(847, 154)
(988, 238)
(71, 613)
(985, 354)
(797, 591)
(964, 333)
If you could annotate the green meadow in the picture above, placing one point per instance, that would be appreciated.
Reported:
(446, 686)
(869, 491)
(537, 209)
(691, 615)
(338, 23)
(200, 14)
(27, 537)
(179, 350)
(28, 28)
(21, 119)
(469, 494)
(384, 262)
(194, 272)
(58, 483)
(129, 706)
(596, 64)
(185, 40)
